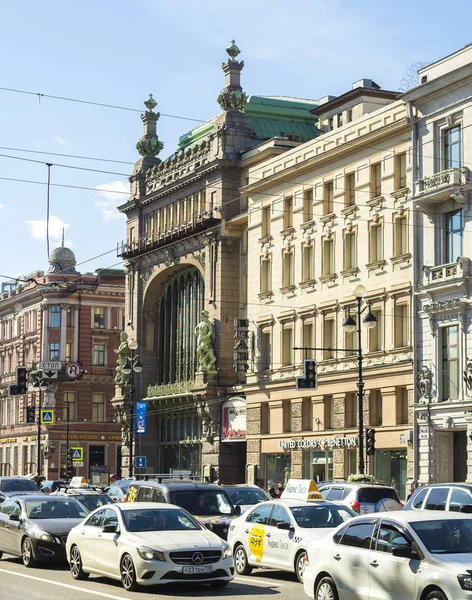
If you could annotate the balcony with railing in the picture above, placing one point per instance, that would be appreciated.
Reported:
(443, 186)
(447, 274)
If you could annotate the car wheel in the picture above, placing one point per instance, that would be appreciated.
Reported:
(300, 565)
(240, 561)
(76, 564)
(326, 590)
(128, 574)
(436, 595)
(220, 583)
(27, 553)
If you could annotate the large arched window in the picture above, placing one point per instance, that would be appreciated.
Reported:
(179, 307)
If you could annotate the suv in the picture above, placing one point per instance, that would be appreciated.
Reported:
(209, 503)
(362, 497)
(246, 495)
(13, 486)
(442, 496)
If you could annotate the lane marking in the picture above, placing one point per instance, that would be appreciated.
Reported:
(257, 581)
(65, 585)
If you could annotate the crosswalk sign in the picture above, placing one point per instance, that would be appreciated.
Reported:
(46, 417)
(77, 453)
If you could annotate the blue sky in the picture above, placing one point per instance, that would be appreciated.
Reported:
(118, 51)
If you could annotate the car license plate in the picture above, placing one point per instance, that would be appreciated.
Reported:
(194, 570)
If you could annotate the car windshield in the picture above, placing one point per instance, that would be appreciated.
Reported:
(241, 496)
(202, 502)
(168, 519)
(18, 485)
(373, 494)
(54, 509)
(312, 516)
(443, 536)
(93, 501)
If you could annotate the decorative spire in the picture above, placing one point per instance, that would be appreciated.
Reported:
(149, 144)
(232, 97)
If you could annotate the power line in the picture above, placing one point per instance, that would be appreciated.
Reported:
(42, 162)
(63, 185)
(122, 162)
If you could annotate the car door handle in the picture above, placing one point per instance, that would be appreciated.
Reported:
(82, 532)
(374, 563)
(337, 557)
(268, 534)
(246, 531)
(99, 535)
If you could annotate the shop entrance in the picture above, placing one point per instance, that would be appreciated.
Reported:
(460, 456)
(96, 456)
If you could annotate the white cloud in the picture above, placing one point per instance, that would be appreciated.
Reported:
(1, 205)
(113, 194)
(61, 140)
(56, 226)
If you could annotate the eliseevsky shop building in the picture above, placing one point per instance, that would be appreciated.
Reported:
(323, 218)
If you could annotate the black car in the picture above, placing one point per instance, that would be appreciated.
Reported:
(50, 486)
(442, 496)
(12, 486)
(209, 503)
(36, 527)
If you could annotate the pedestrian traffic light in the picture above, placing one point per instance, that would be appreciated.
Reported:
(370, 442)
(310, 376)
(30, 414)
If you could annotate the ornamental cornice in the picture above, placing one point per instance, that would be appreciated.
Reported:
(442, 306)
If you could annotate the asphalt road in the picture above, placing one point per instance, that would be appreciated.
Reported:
(51, 582)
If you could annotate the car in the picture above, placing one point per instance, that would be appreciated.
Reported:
(49, 486)
(441, 496)
(142, 544)
(276, 533)
(89, 498)
(12, 486)
(362, 497)
(209, 503)
(421, 555)
(246, 495)
(118, 490)
(35, 527)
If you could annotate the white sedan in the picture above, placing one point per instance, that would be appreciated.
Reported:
(148, 544)
(276, 534)
(396, 555)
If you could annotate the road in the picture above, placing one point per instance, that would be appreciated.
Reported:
(56, 582)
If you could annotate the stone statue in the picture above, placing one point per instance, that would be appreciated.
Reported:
(423, 380)
(123, 355)
(122, 419)
(468, 376)
(205, 332)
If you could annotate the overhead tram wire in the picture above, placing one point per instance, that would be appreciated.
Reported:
(42, 162)
(62, 154)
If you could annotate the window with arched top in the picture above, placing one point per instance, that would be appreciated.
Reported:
(179, 307)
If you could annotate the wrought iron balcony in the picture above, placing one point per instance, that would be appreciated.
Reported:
(448, 273)
(443, 186)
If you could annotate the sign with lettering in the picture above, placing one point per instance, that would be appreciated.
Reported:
(319, 443)
(141, 414)
(241, 345)
(301, 489)
(234, 420)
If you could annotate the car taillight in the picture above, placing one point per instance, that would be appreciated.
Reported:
(307, 560)
(124, 500)
(355, 505)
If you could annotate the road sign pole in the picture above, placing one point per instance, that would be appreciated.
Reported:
(67, 435)
(38, 441)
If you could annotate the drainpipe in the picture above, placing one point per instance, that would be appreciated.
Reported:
(414, 177)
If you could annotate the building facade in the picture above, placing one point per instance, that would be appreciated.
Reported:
(441, 110)
(323, 218)
(64, 317)
(186, 274)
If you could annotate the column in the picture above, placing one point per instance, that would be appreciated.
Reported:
(62, 348)
(108, 318)
(44, 334)
(339, 422)
(389, 406)
(296, 415)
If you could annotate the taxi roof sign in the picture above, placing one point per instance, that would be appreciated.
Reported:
(301, 489)
(78, 482)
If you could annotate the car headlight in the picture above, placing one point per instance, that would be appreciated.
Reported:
(465, 581)
(226, 549)
(150, 554)
(39, 534)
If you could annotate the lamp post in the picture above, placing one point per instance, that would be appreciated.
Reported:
(41, 385)
(133, 365)
(351, 325)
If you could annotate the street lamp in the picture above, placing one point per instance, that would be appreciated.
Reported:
(350, 324)
(132, 365)
(41, 385)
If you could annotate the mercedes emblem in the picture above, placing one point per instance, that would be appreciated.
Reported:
(197, 558)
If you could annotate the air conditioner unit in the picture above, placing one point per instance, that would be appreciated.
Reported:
(409, 435)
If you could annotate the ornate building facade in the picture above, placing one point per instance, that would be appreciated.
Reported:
(65, 317)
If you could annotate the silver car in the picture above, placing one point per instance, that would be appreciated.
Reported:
(144, 543)
(363, 498)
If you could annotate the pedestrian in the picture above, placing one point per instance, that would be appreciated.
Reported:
(272, 492)
(413, 486)
(280, 489)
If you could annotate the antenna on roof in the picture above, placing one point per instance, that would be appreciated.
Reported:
(63, 237)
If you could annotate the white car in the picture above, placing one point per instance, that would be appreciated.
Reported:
(276, 533)
(422, 555)
(148, 544)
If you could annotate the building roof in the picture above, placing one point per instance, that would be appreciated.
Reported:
(352, 95)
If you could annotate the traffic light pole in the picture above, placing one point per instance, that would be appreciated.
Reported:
(38, 441)
(360, 389)
(67, 437)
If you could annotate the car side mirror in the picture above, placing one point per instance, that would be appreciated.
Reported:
(284, 526)
(112, 528)
(237, 510)
(14, 517)
(405, 552)
(467, 508)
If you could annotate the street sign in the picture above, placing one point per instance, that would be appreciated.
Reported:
(140, 462)
(77, 453)
(73, 370)
(49, 374)
(78, 463)
(50, 365)
(46, 417)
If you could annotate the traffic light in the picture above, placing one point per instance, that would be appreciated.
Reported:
(70, 465)
(30, 414)
(310, 376)
(20, 387)
(370, 442)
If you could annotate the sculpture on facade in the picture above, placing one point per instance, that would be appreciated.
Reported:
(122, 419)
(423, 380)
(123, 353)
(205, 332)
(468, 376)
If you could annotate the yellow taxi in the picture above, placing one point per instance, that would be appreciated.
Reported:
(275, 534)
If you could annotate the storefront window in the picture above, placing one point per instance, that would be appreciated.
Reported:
(390, 469)
(277, 469)
(318, 466)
